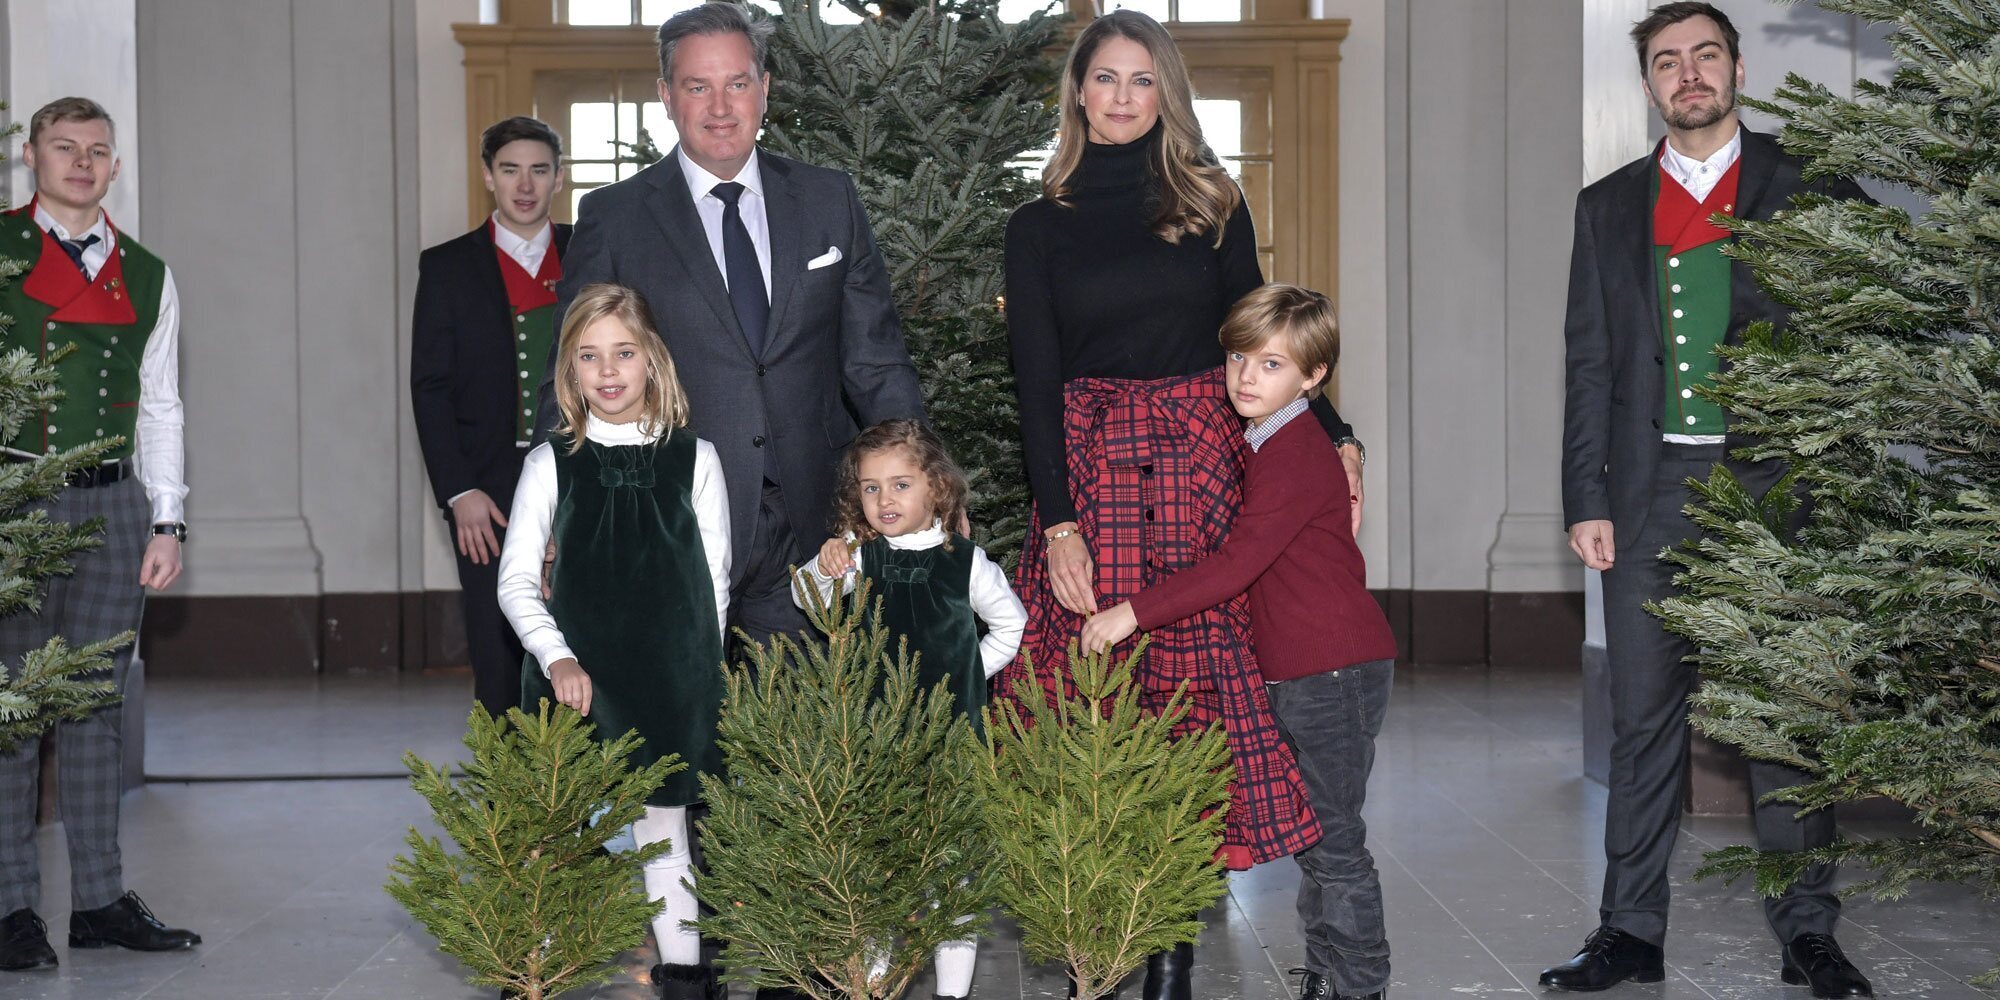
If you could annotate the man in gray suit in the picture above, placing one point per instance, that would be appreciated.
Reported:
(1651, 296)
(769, 290)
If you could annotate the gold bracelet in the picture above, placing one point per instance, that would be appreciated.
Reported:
(1064, 533)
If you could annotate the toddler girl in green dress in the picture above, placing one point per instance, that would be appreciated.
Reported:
(895, 492)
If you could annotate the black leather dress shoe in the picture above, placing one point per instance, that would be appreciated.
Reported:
(1609, 957)
(24, 942)
(687, 982)
(1816, 960)
(1168, 974)
(126, 923)
(1313, 986)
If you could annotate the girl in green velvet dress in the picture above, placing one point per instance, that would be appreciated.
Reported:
(896, 491)
(631, 635)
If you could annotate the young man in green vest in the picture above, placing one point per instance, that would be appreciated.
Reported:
(95, 287)
(1651, 297)
(483, 330)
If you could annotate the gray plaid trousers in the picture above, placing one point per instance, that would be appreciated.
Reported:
(102, 599)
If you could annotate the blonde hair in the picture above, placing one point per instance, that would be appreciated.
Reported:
(949, 489)
(69, 109)
(1195, 194)
(664, 405)
(1305, 319)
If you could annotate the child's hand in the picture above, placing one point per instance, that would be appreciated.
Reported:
(571, 683)
(1109, 627)
(835, 560)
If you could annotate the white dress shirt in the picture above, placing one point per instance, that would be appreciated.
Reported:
(527, 253)
(158, 453)
(750, 204)
(993, 600)
(535, 511)
(1699, 177)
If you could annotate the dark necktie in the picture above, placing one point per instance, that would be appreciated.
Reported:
(75, 249)
(739, 268)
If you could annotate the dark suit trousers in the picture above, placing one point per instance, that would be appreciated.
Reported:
(1650, 685)
(761, 603)
(494, 648)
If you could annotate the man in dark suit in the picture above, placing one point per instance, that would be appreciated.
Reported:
(485, 322)
(1651, 296)
(770, 293)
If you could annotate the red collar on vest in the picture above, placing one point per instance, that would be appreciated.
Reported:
(526, 291)
(56, 281)
(1680, 223)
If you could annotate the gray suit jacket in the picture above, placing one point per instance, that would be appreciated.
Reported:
(833, 353)
(1616, 376)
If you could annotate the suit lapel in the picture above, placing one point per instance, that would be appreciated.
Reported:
(783, 217)
(673, 211)
(1755, 165)
(1632, 219)
(492, 287)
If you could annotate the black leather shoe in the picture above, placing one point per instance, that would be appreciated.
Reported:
(127, 923)
(1609, 957)
(1313, 986)
(1168, 974)
(1816, 960)
(24, 942)
(687, 982)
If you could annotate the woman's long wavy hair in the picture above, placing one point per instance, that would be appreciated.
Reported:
(664, 405)
(926, 451)
(1195, 194)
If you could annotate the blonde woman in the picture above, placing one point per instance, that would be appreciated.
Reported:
(632, 636)
(1118, 279)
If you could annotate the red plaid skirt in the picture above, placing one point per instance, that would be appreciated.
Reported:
(1156, 470)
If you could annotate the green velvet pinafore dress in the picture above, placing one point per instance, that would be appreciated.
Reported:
(631, 592)
(927, 595)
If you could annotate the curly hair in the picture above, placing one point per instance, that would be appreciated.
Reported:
(926, 450)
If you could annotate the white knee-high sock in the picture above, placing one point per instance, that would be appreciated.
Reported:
(955, 962)
(669, 877)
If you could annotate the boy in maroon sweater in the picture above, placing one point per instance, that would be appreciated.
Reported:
(1324, 648)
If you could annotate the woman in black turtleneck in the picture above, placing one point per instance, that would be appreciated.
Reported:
(1118, 279)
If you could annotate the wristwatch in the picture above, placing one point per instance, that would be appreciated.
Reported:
(178, 529)
(1356, 442)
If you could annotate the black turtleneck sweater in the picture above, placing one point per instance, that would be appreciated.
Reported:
(1091, 292)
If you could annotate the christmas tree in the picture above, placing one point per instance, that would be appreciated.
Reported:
(1865, 648)
(930, 106)
(55, 682)
(847, 842)
(530, 902)
(1107, 826)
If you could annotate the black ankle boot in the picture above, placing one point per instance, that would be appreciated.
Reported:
(686, 982)
(1168, 974)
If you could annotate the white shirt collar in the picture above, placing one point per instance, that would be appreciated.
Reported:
(700, 181)
(929, 538)
(605, 432)
(1699, 176)
(1263, 430)
(101, 228)
(514, 246)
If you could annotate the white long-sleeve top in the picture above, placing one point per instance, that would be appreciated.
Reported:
(534, 512)
(993, 599)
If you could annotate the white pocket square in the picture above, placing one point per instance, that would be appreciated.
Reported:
(831, 256)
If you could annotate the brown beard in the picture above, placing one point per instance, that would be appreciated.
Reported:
(1702, 115)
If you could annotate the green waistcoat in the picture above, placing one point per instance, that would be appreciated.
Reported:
(534, 334)
(927, 595)
(100, 379)
(631, 592)
(1694, 288)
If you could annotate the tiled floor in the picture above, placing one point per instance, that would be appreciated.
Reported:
(1486, 836)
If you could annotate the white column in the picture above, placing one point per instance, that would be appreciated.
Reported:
(75, 48)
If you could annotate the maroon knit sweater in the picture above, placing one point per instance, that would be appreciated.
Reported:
(1293, 549)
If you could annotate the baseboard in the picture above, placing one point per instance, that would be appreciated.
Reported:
(337, 633)
(1475, 627)
(345, 633)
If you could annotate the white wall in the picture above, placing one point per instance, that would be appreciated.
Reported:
(75, 48)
